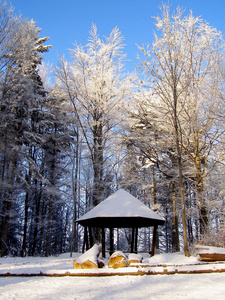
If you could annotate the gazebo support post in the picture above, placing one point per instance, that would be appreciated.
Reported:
(136, 240)
(152, 252)
(90, 237)
(111, 241)
(132, 241)
(85, 243)
(103, 242)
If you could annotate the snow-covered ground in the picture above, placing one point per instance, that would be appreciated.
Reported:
(178, 286)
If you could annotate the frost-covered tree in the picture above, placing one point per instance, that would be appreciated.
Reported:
(183, 70)
(22, 98)
(149, 136)
(8, 23)
(95, 85)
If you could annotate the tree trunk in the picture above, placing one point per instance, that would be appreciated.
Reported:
(152, 185)
(203, 213)
(5, 223)
(152, 252)
(186, 250)
(175, 231)
(6, 206)
(23, 250)
(26, 206)
(179, 163)
(49, 225)
(36, 218)
(154, 203)
(73, 245)
(98, 172)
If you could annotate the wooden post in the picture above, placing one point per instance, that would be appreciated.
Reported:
(136, 240)
(111, 241)
(83, 246)
(132, 242)
(90, 237)
(152, 252)
(85, 243)
(103, 242)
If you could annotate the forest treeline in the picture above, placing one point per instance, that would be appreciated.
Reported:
(73, 135)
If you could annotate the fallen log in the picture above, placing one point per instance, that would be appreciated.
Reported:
(210, 253)
(134, 259)
(117, 260)
(89, 260)
(211, 256)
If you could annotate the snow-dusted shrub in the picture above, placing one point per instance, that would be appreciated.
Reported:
(214, 238)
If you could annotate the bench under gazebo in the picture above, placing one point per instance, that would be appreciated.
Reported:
(120, 210)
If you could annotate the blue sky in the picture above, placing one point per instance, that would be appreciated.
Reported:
(67, 21)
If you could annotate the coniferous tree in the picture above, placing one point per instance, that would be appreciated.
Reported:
(22, 99)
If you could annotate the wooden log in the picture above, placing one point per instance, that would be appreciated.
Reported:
(117, 260)
(211, 256)
(89, 265)
(76, 265)
(101, 263)
(88, 260)
(135, 259)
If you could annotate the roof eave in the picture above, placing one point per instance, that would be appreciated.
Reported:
(120, 222)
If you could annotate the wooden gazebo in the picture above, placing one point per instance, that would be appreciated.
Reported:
(120, 210)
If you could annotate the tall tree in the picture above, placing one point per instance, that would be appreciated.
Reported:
(150, 137)
(22, 97)
(8, 23)
(183, 68)
(95, 85)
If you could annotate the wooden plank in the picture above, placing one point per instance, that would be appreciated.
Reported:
(146, 271)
